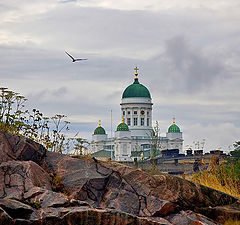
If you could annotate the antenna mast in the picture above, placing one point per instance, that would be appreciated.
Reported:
(111, 123)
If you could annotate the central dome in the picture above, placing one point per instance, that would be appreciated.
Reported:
(136, 90)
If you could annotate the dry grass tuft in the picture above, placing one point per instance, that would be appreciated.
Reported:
(222, 178)
(232, 222)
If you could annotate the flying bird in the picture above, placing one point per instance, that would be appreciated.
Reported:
(73, 59)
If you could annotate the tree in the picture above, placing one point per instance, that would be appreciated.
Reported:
(80, 144)
(155, 143)
(236, 152)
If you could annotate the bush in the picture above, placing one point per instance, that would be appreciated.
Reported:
(57, 185)
(15, 119)
(223, 177)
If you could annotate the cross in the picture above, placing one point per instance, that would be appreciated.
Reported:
(99, 123)
(136, 70)
(173, 120)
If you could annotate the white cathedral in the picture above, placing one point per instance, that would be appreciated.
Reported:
(133, 136)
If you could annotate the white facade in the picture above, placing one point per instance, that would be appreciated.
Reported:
(98, 142)
(137, 114)
(122, 146)
(175, 141)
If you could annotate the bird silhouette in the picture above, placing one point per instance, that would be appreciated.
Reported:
(73, 59)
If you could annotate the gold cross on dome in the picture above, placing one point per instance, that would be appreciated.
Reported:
(173, 120)
(99, 123)
(136, 70)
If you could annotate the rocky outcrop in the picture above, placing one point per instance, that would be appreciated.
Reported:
(112, 185)
(16, 209)
(96, 192)
(81, 215)
(4, 217)
(18, 148)
(189, 217)
(18, 177)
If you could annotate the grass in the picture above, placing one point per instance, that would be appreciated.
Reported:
(58, 186)
(220, 177)
(232, 222)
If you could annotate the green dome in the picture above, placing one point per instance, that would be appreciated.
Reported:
(136, 90)
(99, 130)
(122, 127)
(173, 129)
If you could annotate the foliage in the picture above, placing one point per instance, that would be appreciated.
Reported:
(155, 143)
(80, 145)
(232, 163)
(14, 119)
(11, 105)
(224, 177)
(236, 152)
(35, 205)
(232, 222)
(57, 185)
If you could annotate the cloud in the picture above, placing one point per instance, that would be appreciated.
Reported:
(191, 71)
(224, 134)
(187, 53)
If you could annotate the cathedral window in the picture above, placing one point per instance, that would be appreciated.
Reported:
(124, 113)
(147, 121)
(135, 112)
(134, 121)
(142, 121)
(148, 113)
(129, 121)
(128, 112)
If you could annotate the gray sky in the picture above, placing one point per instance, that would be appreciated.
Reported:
(188, 52)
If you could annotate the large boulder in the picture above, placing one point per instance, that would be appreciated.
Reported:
(188, 218)
(13, 147)
(16, 209)
(4, 217)
(185, 193)
(46, 198)
(86, 216)
(18, 177)
(115, 186)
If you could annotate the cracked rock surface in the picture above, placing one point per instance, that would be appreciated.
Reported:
(95, 192)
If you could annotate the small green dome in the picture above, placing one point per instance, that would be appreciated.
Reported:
(173, 129)
(122, 127)
(99, 130)
(136, 90)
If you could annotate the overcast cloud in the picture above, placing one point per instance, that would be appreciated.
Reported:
(187, 51)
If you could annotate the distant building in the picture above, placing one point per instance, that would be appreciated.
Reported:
(133, 136)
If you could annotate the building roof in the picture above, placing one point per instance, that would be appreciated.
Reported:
(99, 129)
(122, 126)
(174, 128)
(103, 154)
(136, 90)
(146, 153)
